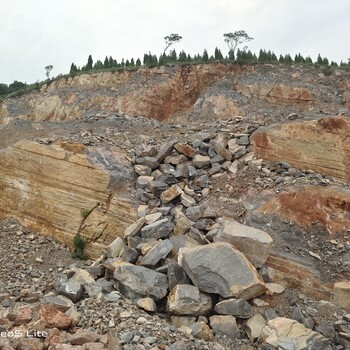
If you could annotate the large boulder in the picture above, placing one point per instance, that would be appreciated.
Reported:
(136, 281)
(221, 269)
(253, 243)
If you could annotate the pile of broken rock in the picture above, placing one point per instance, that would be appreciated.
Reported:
(179, 260)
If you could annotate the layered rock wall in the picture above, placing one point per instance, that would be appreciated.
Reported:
(63, 189)
(321, 145)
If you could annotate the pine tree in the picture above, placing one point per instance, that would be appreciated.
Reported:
(218, 55)
(182, 56)
(205, 56)
(73, 69)
(89, 63)
(138, 62)
(132, 62)
(106, 63)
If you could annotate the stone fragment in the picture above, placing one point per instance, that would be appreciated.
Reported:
(156, 187)
(176, 275)
(243, 140)
(200, 161)
(72, 290)
(185, 149)
(155, 254)
(187, 200)
(149, 151)
(284, 333)
(253, 243)
(200, 330)
(275, 288)
(151, 218)
(234, 167)
(23, 315)
(224, 325)
(139, 280)
(170, 194)
(158, 229)
(54, 318)
(185, 299)
(341, 295)
(194, 213)
(82, 336)
(143, 181)
(60, 302)
(221, 269)
(147, 304)
(134, 228)
(182, 223)
(142, 170)
(115, 248)
(130, 255)
(254, 327)
(74, 315)
(235, 307)
(150, 162)
(175, 159)
(165, 150)
(181, 241)
(222, 151)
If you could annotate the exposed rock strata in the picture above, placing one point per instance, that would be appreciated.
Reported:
(320, 145)
(63, 189)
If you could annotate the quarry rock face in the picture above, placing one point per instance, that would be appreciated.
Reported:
(62, 189)
(320, 145)
(217, 91)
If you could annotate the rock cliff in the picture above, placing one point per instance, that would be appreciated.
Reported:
(62, 189)
(189, 92)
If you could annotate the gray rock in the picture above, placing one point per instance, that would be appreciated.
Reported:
(60, 302)
(192, 171)
(156, 187)
(187, 200)
(254, 327)
(150, 162)
(72, 290)
(130, 254)
(185, 299)
(200, 330)
(115, 248)
(221, 269)
(106, 285)
(235, 307)
(143, 181)
(158, 229)
(243, 140)
(158, 252)
(139, 280)
(165, 150)
(176, 275)
(224, 325)
(194, 213)
(326, 329)
(200, 161)
(253, 243)
(134, 228)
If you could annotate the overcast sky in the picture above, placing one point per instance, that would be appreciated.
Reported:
(36, 33)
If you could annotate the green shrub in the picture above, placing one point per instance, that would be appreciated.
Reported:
(79, 247)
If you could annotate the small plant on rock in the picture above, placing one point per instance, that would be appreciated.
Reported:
(79, 247)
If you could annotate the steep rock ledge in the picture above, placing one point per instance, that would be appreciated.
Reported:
(61, 189)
